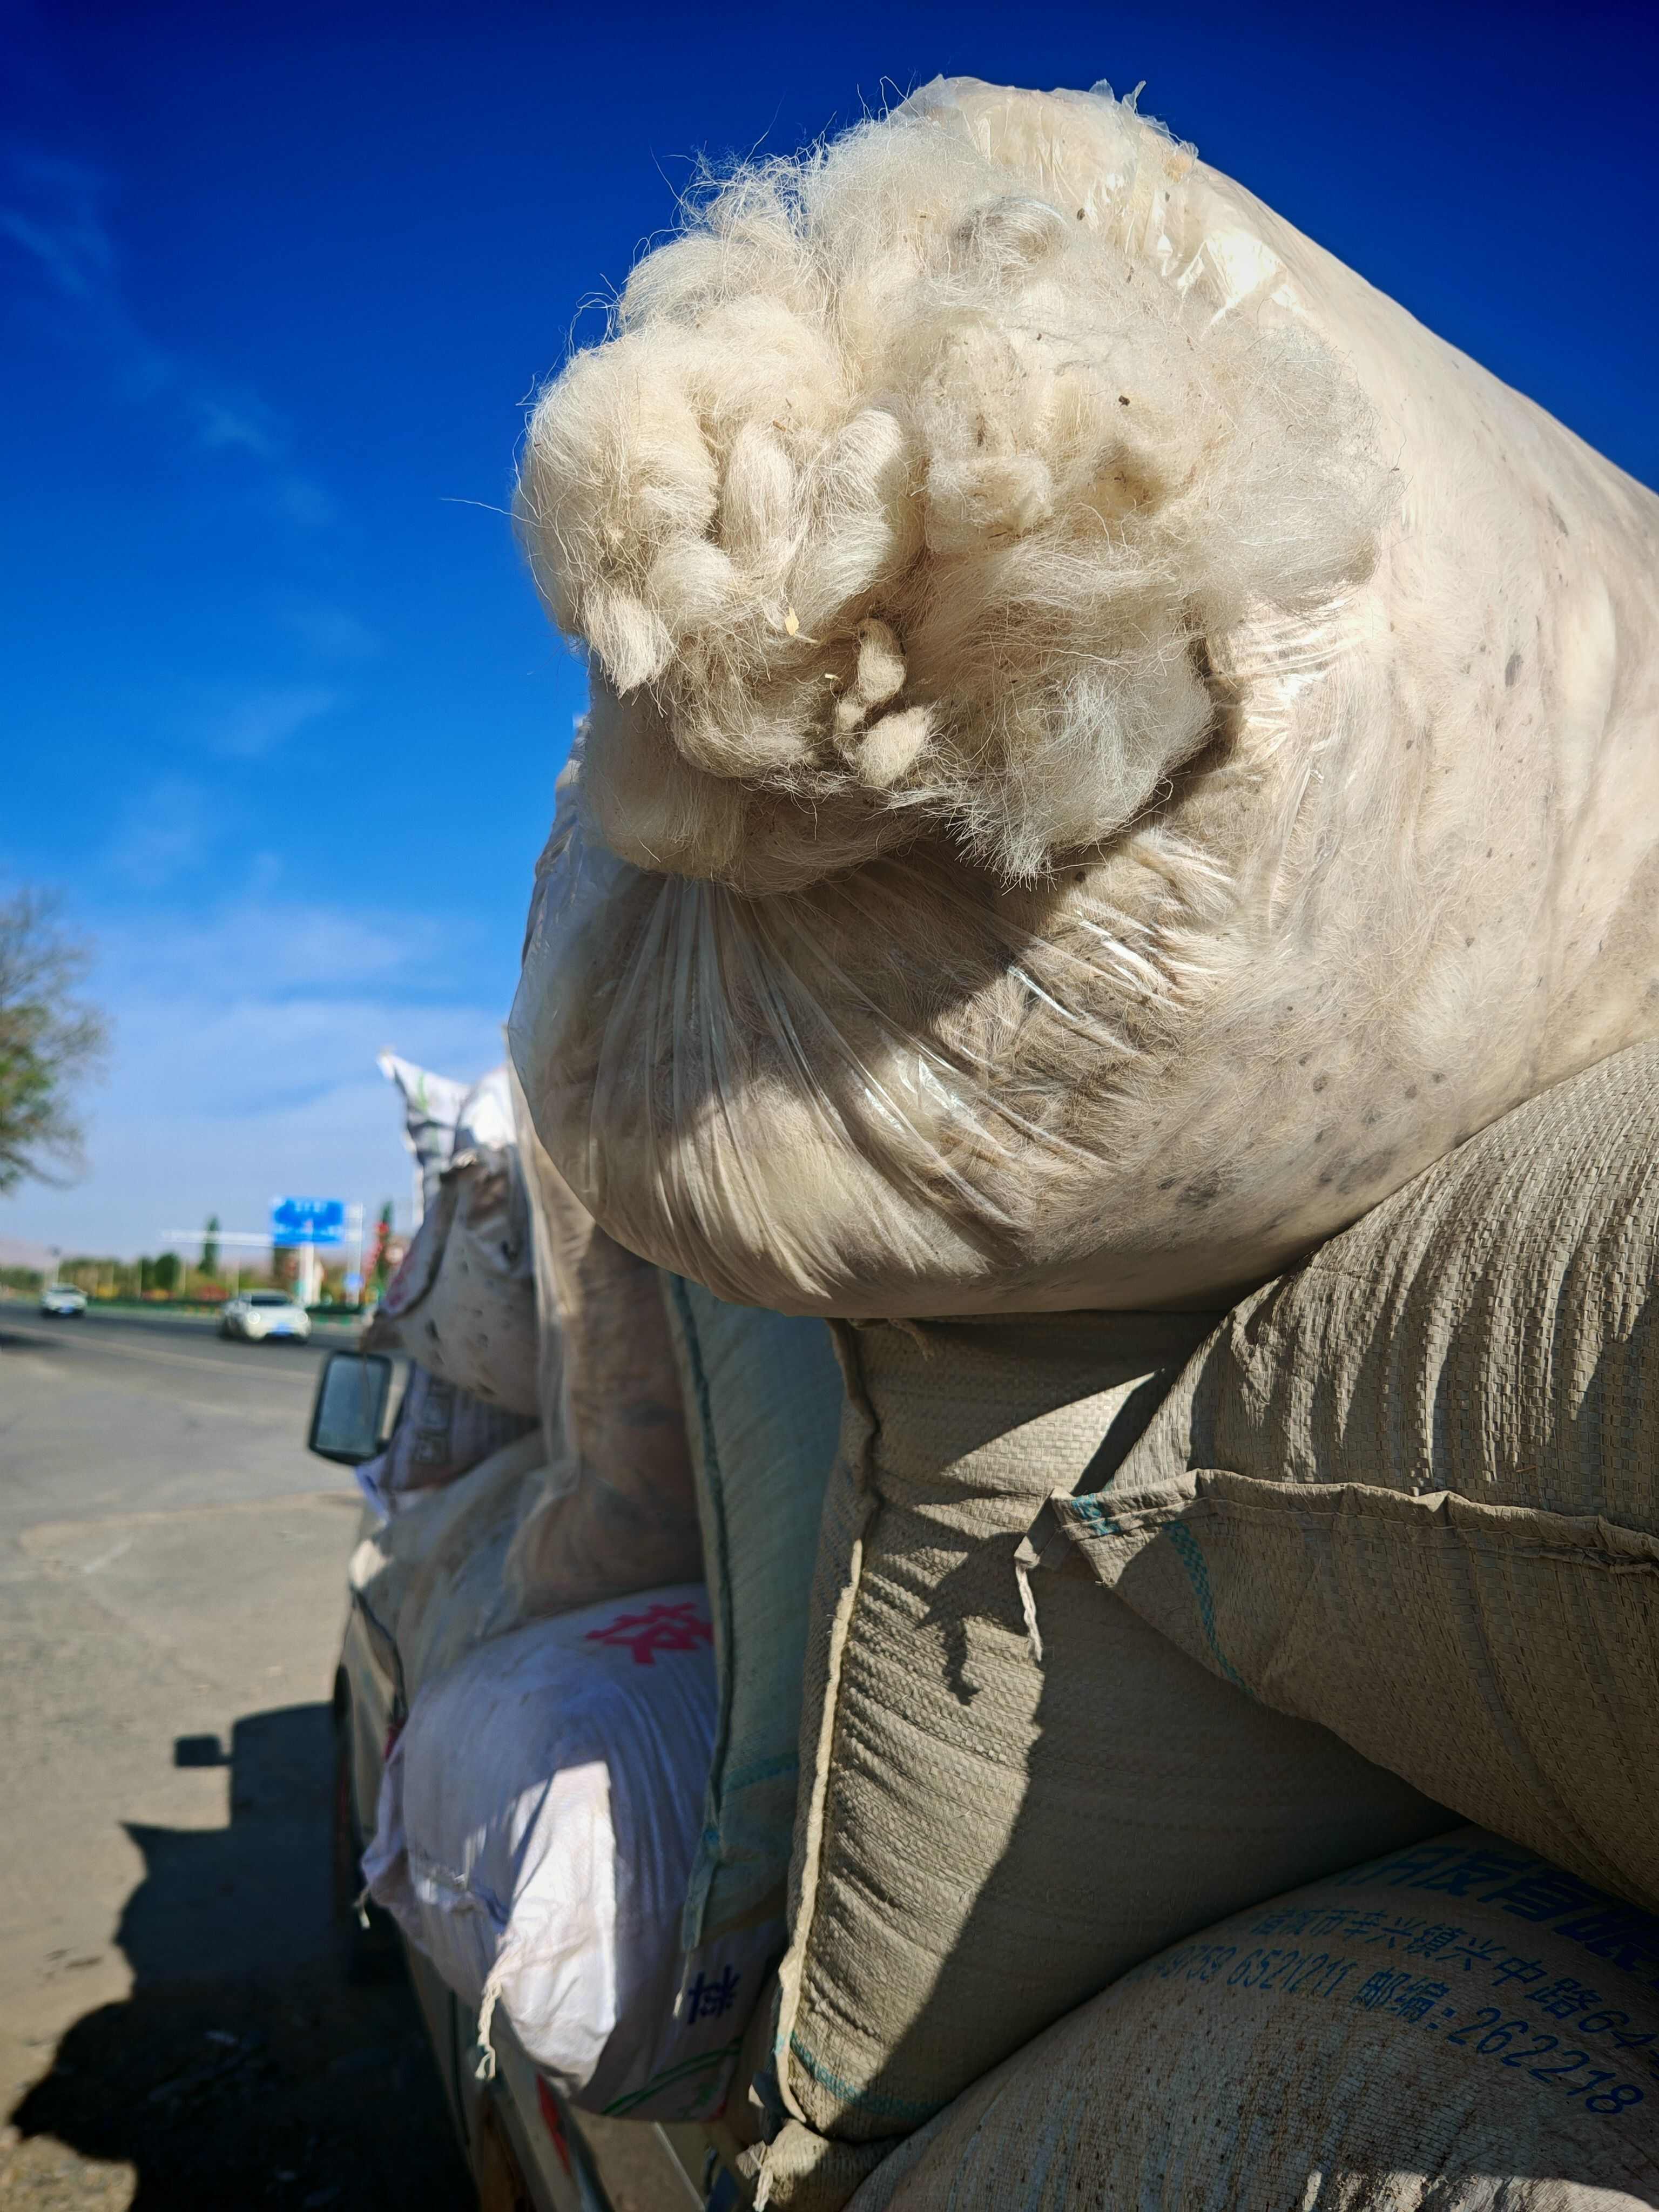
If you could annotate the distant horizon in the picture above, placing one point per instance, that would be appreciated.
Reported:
(284, 717)
(39, 1250)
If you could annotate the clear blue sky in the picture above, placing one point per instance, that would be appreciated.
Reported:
(282, 718)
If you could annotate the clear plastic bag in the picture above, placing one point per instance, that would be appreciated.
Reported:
(432, 1107)
(1261, 836)
(463, 1303)
(617, 1510)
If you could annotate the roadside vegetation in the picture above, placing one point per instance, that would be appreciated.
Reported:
(51, 1042)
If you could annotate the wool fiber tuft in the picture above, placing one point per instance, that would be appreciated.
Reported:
(906, 490)
(1112, 747)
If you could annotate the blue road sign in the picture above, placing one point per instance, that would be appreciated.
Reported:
(307, 1221)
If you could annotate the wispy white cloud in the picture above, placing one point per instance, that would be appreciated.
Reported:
(164, 830)
(251, 723)
(222, 428)
(328, 633)
(299, 500)
(61, 232)
(243, 1065)
(284, 948)
(51, 215)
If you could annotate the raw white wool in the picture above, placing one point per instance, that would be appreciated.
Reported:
(906, 490)
(1409, 878)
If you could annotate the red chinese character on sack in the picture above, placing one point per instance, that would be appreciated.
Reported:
(659, 1628)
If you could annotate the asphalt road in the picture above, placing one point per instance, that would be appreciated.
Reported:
(173, 2029)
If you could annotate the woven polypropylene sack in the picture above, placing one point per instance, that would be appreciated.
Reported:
(535, 1827)
(618, 1511)
(463, 1302)
(440, 1432)
(429, 1581)
(1410, 1491)
(1084, 838)
(990, 1836)
(1461, 2026)
(763, 1402)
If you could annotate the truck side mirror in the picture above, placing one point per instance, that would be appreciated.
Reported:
(348, 1415)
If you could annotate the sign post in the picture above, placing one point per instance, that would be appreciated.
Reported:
(301, 1224)
(353, 1281)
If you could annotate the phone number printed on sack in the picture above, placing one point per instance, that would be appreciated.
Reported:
(1419, 1998)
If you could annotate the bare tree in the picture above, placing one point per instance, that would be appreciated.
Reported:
(49, 1040)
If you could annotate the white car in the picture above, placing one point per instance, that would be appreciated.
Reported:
(259, 1314)
(63, 1301)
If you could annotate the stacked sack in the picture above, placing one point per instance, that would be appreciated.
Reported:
(1410, 1490)
(1006, 1805)
(1460, 2025)
(1193, 729)
(538, 1819)
(433, 1108)
(617, 1510)
(763, 1410)
(1111, 750)
(461, 1304)
(587, 1811)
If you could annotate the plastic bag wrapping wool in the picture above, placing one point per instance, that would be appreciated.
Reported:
(1194, 730)
(432, 1107)
(485, 1122)
(429, 1581)
(619, 1510)
(1461, 2026)
(763, 1403)
(440, 1432)
(537, 1823)
(463, 1302)
(986, 1837)
(1409, 1491)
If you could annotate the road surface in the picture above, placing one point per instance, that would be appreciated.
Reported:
(173, 2031)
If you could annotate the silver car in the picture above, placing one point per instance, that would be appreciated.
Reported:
(257, 1315)
(62, 1301)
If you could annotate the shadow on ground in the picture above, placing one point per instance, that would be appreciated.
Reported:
(244, 2070)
